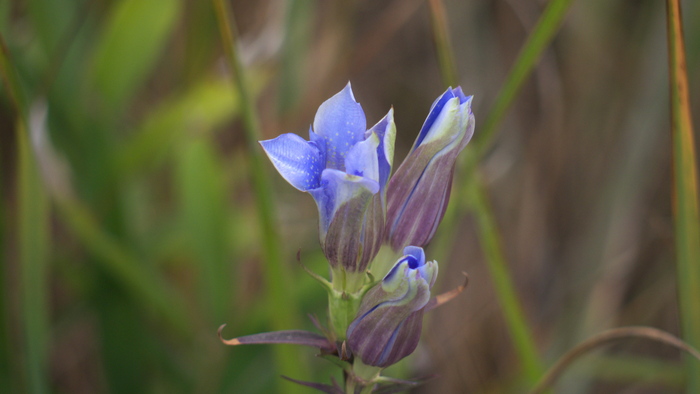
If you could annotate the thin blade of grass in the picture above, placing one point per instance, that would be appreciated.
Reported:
(294, 53)
(148, 288)
(490, 240)
(540, 37)
(685, 196)
(134, 36)
(34, 245)
(489, 237)
(282, 302)
(33, 241)
(206, 106)
(204, 212)
(441, 36)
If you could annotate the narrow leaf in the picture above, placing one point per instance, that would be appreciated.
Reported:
(443, 298)
(130, 44)
(293, 337)
(685, 196)
(324, 388)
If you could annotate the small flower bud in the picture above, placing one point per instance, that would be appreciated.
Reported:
(388, 325)
(419, 191)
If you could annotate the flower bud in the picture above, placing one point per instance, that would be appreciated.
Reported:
(419, 191)
(388, 325)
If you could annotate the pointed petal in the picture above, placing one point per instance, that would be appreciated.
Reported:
(386, 131)
(435, 111)
(298, 161)
(361, 159)
(341, 121)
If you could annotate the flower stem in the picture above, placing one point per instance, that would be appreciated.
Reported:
(342, 308)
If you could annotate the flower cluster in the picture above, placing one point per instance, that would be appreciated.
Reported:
(347, 168)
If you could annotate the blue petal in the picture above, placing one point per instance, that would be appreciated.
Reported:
(417, 252)
(341, 121)
(435, 110)
(361, 159)
(386, 131)
(298, 161)
(337, 188)
(459, 93)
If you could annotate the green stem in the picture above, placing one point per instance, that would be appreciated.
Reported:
(685, 196)
(448, 68)
(282, 303)
(537, 41)
(342, 309)
(366, 375)
(505, 289)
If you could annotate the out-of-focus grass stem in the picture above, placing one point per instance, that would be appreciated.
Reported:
(488, 231)
(537, 41)
(33, 241)
(685, 193)
(491, 244)
(281, 301)
(441, 36)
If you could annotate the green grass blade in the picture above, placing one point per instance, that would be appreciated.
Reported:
(685, 196)
(282, 303)
(149, 289)
(294, 53)
(537, 41)
(205, 106)
(441, 36)
(133, 38)
(505, 289)
(33, 241)
(489, 237)
(34, 246)
(204, 211)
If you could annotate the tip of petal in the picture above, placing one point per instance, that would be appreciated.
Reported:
(348, 90)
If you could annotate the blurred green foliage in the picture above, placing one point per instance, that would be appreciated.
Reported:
(129, 218)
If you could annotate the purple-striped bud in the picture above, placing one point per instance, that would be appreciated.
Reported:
(388, 325)
(419, 191)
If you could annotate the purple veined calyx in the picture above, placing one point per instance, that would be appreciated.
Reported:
(388, 325)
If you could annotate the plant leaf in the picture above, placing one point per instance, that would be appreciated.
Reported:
(294, 337)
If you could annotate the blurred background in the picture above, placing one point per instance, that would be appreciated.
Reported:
(131, 227)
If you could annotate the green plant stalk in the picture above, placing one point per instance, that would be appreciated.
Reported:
(547, 26)
(33, 240)
(282, 301)
(145, 285)
(33, 256)
(685, 196)
(488, 231)
(441, 36)
(505, 290)
(342, 309)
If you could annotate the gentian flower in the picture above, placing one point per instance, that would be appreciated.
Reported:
(345, 167)
(419, 191)
(388, 325)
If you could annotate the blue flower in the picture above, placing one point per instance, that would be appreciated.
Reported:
(419, 191)
(345, 167)
(389, 322)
